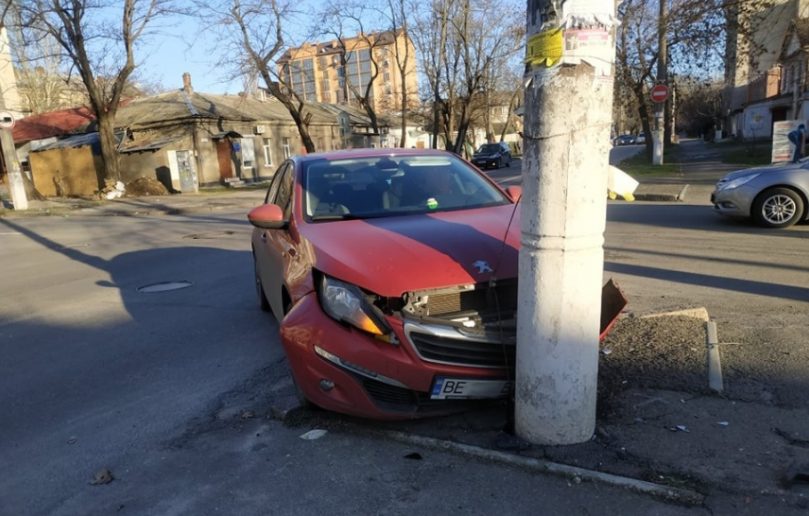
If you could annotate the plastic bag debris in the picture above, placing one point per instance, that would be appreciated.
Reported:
(311, 435)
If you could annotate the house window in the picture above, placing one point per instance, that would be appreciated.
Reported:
(248, 152)
(285, 146)
(267, 152)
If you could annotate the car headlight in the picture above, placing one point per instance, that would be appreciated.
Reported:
(346, 303)
(736, 183)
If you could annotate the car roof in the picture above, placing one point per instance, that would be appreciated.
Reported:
(369, 153)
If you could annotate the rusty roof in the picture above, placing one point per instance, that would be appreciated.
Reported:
(54, 123)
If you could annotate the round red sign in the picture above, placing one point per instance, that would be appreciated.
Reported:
(660, 93)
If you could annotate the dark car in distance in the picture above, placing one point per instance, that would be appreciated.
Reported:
(624, 139)
(492, 155)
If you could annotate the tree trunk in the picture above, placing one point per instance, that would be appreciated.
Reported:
(403, 138)
(109, 152)
(643, 113)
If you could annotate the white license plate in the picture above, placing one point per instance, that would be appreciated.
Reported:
(464, 388)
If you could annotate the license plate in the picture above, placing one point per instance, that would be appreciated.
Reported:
(464, 388)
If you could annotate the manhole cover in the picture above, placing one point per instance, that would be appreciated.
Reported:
(165, 286)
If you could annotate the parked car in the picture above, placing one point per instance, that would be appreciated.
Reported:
(774, 196)
(624, 139)
(492, 155)
(393, 274)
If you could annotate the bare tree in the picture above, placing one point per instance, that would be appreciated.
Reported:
(430, 36)
(255, 31)
(346, 24)
(695, 39)
(461, 43)
(101, 52)
(398, 17)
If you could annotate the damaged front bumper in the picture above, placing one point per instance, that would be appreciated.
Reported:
(453, 344)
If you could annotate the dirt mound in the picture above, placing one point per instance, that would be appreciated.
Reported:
(145, 186)
(660, 353)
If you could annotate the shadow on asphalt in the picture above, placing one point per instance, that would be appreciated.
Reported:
(690, 217)
(707, 280)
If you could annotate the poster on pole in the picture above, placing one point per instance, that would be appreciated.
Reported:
(782, 148)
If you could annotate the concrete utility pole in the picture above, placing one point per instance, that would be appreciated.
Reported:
(662, 78)
(568, 113)
(16, 183)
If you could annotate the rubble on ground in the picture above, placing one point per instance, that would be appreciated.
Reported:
(143, 186)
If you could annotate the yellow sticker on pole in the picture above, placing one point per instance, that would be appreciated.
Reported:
(545, 48)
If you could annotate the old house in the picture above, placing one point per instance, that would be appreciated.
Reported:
(188, 140)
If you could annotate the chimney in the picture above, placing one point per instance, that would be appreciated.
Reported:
(187, 83)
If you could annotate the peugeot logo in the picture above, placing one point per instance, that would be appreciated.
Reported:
(482, 266)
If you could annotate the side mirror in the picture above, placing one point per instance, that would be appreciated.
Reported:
(267, 216)
(515, 192)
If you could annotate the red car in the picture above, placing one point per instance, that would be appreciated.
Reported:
(393, 276)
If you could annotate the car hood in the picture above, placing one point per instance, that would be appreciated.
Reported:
(765, 169)
(393, 255)
(486, 155)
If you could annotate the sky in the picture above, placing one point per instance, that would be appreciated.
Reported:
(166, 55)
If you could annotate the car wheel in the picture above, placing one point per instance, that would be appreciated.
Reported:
(262, 297)
(777, 208)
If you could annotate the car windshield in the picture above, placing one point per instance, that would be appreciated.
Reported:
(489, 148)
(383, 187)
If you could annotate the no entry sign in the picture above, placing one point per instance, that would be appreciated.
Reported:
(660, 93)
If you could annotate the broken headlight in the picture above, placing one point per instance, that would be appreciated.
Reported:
(347, 303)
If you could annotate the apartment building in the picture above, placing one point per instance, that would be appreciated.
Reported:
(338, 71)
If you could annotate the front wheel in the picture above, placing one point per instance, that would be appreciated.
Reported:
(777, 208)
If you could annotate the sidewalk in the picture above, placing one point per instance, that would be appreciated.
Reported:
(700, 169)
(178, 204)
(659, 430)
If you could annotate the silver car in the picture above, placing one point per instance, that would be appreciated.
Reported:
(774, 196)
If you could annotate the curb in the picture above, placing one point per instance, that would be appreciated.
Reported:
(661, 197)
(676, 494)
(700, 313)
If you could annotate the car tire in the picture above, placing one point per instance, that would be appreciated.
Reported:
(262, 297)
(777, 208)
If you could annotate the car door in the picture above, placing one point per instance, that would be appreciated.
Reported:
(269, 246)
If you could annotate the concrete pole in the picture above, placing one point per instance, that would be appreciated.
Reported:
(662, 73)
(568, 113)
(16, 184)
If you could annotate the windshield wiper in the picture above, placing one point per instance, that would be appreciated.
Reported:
(336, 216)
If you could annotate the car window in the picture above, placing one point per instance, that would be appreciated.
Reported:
(276, 179)
(490, 148)
(389, 186)
(283, 197)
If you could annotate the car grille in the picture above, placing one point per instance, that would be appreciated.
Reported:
(462, 351)
(391, 397)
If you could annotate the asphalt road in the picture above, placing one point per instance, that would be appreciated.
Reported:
(95, 374)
